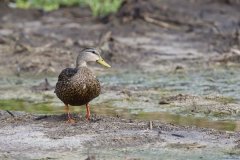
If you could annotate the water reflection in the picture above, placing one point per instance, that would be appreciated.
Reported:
(102, 109)
(149, 88)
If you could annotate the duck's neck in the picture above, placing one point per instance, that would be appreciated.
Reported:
(81, 64)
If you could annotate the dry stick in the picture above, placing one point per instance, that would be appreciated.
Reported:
(10, 113)
(163, 24)
(158, 22)
(104, 38)
(192, 146)
(235, 51)
(150, 125)
(17, 43)
(177, 135)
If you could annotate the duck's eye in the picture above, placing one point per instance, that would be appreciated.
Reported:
(93, 52)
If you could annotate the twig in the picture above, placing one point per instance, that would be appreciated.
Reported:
(169, 23)
(235, 51)
(10, 113)
(177, 135)
(149, 19)
(150, 125)
(104, 38)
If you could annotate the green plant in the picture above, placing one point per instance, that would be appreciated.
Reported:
(103, 7)
(98, 7)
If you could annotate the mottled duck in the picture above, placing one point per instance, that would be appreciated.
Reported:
(78, 86)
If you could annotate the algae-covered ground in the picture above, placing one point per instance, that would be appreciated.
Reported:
(172, 91)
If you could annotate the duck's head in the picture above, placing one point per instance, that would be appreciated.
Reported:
(90, 55)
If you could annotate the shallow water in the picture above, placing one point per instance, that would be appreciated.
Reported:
(221, 81)
(166, 117)
(143, 90)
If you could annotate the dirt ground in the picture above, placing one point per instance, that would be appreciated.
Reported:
(143, 36)
(28, 136)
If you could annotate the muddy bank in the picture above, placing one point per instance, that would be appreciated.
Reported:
(179, 32)
(49, 136)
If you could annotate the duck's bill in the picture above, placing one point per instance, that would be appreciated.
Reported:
(102, 62)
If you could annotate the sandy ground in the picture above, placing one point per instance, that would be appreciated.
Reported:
(35, 136)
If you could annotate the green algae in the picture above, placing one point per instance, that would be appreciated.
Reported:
(28, 106)
(107, 109)
(143, 95)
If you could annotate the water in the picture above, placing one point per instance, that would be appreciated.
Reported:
(223, 81)
(212, 99)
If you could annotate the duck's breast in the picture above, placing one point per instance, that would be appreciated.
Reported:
(80, 89)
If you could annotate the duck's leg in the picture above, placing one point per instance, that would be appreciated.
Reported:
(70, 120)
(88, 111)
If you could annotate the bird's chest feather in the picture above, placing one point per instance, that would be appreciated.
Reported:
(79, 88)
(85, 83)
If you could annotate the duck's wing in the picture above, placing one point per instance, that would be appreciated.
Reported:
(67, 74)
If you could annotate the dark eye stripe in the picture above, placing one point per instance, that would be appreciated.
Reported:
(92, 50)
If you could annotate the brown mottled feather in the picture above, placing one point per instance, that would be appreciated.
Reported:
(77, 86)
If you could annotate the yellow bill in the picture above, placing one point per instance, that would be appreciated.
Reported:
(102, 62)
